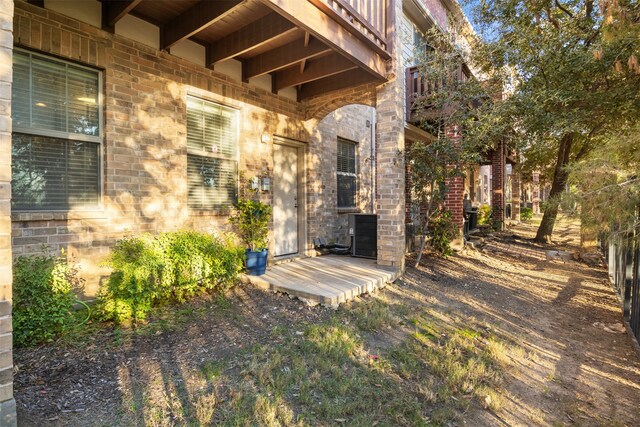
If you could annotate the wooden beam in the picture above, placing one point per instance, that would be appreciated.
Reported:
(195, 19)
(283, 57)
(337, 82)
(315, 70)
(249, 37)
(115, 10)
(311, 19)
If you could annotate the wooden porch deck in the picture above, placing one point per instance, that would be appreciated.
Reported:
(328, 280)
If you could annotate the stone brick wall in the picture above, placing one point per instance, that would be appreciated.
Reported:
(390, 178)
(144, 149)
(325, 219)
(7, 403)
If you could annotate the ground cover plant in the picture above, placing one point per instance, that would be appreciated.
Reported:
(170, 267)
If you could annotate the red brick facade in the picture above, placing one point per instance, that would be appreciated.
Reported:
(455, 186)
(498, 182)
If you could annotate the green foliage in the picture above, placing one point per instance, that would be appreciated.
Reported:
(170, 267)
(526, 213)
(443, 231)
(571, 72)
(484, 214)
(43, 297)
(251, 221)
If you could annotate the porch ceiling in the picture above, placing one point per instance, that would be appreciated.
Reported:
(292, 40)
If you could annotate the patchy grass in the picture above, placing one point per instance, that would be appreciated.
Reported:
(323, 375)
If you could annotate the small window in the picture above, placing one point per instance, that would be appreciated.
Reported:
(212, 154)
(57, 134)
(347, 178)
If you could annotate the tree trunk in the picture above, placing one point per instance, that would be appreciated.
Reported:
(560, 176)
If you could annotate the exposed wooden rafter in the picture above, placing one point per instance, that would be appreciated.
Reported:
(308, 17)
(328, 84)
(115, 10)
(317, 69)
(283, 57)
(249, 37)
(195, 19)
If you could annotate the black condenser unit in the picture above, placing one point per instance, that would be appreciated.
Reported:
(364, 235)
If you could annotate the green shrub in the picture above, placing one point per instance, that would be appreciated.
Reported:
(170, 267)
(443, 231)
(43, 297)
(484, 214)
(526, 214)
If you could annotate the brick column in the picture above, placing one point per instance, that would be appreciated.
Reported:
(515, 196)
(390, 172)
(454, 198)
(535, 192)
(7, 403)
(497, 193)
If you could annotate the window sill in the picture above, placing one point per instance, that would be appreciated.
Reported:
(349, 210)
(210, 212)
(56, 215)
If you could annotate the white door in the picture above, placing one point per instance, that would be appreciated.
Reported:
(285, 199)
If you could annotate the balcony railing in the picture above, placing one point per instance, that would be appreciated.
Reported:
(419, 86)
(367, 19)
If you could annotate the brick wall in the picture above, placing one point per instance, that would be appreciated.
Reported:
(498, 182)
(390, 178)
(454, 199)
(7, 403)
(515, 196)
(325, 219)
(144, 151)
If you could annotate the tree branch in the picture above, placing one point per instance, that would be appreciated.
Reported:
(562, 8)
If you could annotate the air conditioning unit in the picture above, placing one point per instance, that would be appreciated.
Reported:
(363, 229)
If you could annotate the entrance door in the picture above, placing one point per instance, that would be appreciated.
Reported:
(285, 199)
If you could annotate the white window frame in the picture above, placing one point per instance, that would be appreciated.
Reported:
(200, 153)
(354, 174)
(97, 139)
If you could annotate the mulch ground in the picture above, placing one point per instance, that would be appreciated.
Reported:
(580, 368)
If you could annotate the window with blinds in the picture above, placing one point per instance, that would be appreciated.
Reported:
(57, 135)
(212, 154)
(347, 178)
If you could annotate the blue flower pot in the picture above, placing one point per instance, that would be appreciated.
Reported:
(257, 262)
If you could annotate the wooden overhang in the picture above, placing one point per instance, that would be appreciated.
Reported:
(317, 46)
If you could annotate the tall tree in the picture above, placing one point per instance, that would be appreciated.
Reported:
(572, 70)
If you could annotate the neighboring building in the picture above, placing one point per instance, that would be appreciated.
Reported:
(490, 183)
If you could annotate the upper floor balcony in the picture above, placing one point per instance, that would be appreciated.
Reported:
(316, 46)
(419, 87)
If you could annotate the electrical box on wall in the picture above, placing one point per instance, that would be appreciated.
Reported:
(266, 184)
(254, 183)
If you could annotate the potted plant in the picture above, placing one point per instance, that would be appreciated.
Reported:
(251, 221)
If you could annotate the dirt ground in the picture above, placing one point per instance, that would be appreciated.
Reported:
(577, 366)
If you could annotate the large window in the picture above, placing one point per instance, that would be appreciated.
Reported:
(212, 154)
(57, 134)
(347, 178)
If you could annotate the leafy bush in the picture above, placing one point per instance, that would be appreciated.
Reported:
(170, 267)
(484, 214)
(43, 297)
(443, 231)
(526, 214)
